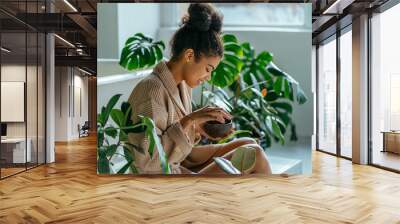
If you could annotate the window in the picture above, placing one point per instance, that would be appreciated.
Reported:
(327, 96)
(334, 106)
(346, 94)
(394, 101)
(261, 15)
(385, 89)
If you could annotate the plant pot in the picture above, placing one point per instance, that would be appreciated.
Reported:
(216, 129)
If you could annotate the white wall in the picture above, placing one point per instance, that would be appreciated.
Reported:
(118, 22)
(61, 103)
(139, 17)
(67, 114)
(121, 21)
(107, 30)
(118, 84)
(80, 83)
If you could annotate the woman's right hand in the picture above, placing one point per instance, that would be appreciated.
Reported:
(205, 114)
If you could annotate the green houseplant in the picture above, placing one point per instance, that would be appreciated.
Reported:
(114, 136)
(258, 94)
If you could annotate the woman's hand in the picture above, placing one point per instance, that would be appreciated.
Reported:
(200, 130)
(202, 115)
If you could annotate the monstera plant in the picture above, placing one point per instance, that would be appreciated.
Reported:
(112, 136)
(258, 94)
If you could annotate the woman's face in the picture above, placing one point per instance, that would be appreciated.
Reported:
(195, 73)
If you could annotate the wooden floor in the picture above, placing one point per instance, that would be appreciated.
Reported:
(10, 171)
(387, 159)
(69, 191)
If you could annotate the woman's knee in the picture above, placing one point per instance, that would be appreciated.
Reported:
(255, 146)
(258, 149)
(246, 140)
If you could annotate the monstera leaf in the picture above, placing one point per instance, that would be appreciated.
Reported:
(141, 52)
(285, 85)
(254, 69)
(229, 68)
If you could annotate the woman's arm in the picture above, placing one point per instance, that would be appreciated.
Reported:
(173, 138)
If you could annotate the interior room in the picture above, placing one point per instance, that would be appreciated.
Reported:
(29, 58)
(49, 101)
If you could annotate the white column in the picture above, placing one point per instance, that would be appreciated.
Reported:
(314, 94)
(50, 92)
(50, 99)
(360, 90)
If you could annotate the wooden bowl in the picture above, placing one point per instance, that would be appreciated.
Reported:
(216, 129)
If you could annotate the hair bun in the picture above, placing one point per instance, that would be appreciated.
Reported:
(216, 22)
(203, 17)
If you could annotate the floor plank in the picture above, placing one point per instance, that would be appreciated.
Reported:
(70, 191)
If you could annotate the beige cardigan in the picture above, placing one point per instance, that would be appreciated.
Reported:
(157, 96)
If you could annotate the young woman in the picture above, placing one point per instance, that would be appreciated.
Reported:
(166, 95)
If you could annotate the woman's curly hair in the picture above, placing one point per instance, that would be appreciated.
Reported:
(199, 30)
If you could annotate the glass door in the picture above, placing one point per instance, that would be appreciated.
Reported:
(13, 103)
(22, 77)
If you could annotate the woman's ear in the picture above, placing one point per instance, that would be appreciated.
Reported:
(189, 55)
